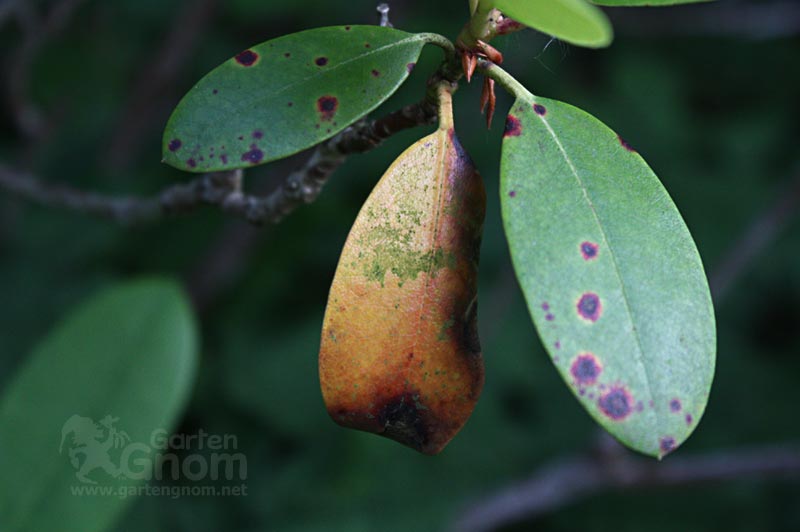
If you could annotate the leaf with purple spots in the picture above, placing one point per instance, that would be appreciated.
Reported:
(288, 94)
(594, 234)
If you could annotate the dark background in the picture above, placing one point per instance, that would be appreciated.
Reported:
(708, 94)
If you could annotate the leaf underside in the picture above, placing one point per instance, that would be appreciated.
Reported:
(400, 355)
(285, 95)
(129, 353)
(611, 275)
(573, 21)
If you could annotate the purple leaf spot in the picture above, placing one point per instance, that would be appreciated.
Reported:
(223, 158)
(375, 73)
(549, 317)
(513, 127)
(327, 105)
(258, 134)
(191, 163)
(321, 61)
(675, 405)
(175, 145)
(585, 369)
(689, 419)
(247, 58)
(589, 250)
(254, 156)
(589, 307)
(558, 345)
(667, 445)
(616, 403)
(625, 144)
(539, 109)
(545, 306)
(410, 67)
(215, 91)
(512, 194)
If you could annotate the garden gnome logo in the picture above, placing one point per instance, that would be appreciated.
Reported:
(90, 443)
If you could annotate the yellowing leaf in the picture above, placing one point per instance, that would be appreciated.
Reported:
(400, 354)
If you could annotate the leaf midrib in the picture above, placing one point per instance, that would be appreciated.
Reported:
(574, 170)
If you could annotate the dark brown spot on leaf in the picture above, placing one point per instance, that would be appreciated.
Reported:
(247, 58)
(585, 369)
(321, 61)
(175, 145)
(589, 307)
(403, 422)
(616, 403)
(375, 73)
(513, 127)
(327, 105)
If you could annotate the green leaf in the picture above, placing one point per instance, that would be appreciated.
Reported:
(611, 275)
(286, 95)
(129, 353)
(573, 21)
(631, 3)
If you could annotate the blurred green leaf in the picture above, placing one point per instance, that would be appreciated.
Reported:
(630, 3)
(612, 278)
(129, 353)
(573, 21)
(287, 94)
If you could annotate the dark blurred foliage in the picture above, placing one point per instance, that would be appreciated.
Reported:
(718, 118)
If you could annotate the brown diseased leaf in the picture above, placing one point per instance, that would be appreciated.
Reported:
(400, 354)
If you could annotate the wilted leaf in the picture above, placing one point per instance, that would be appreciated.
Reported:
(573, 21)
(400, 354)
(121, 364)
(287, 94)
(610, 273)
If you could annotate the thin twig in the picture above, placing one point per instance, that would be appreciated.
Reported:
(761, 232)
(187, 28)
(566, 482)
(27, 115)
(757, 21)
(224, 190)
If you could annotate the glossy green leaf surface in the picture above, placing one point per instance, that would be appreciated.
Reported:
(288, 94)
(610, 273)
(117, 368)
(632, 3)
(573, 21)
